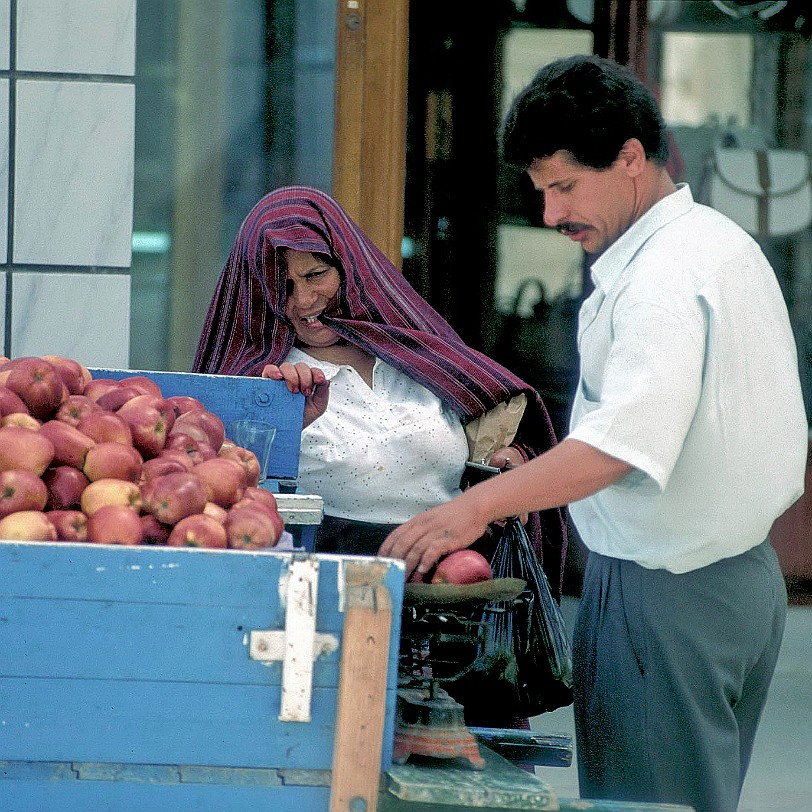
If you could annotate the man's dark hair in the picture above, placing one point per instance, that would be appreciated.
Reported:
(588, 106)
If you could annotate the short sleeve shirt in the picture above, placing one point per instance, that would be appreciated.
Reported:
(382, 454)
(688, 373)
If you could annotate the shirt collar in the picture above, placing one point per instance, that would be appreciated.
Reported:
(609, 265)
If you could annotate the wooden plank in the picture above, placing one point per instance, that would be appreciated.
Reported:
(369, 158)
(122, 796)
(233, 397)
(527, 747)
(501, 785)
(361, 693)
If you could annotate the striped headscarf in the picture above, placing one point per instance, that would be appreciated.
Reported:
(380, 312)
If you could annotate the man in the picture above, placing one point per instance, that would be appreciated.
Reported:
(687, 439)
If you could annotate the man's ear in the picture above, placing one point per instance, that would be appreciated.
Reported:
(632, 157)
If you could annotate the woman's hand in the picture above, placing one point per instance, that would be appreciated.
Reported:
(507, 458)
(310, 381)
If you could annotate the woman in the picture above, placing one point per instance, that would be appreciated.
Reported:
(306, 297)
(304, 291)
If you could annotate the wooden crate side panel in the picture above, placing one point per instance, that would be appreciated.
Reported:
(140, 655)
(231, 397)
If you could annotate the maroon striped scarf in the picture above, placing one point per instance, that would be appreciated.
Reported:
(380, 312)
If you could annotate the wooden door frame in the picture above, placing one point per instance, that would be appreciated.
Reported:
(369, 158)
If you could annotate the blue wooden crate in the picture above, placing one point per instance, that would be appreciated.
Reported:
(134, 679)
(232, 397)
(156, 678)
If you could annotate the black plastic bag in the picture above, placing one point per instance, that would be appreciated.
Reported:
(524, 663)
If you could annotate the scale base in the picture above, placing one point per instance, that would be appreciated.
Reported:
(430, 723)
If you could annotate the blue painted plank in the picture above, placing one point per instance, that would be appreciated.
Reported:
(192, 643)
(103, 796)
(163, 723)
(232, 397)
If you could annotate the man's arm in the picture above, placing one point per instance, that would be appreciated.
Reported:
(570, 471)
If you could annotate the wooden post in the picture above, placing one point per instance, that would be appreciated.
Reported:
(362, 689)
(369, 159)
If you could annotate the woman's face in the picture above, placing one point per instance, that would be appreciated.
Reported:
(312, 289)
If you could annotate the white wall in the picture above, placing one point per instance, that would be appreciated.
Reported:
(67, 108)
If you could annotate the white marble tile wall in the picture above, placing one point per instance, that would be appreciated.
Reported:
(3, 312)
(89, 36)
(5, 34)
(67, 113)
(3, 171)
(73, 176)
(85, 316)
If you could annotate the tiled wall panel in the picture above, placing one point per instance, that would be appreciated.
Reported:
(5, 30)
(73, 181)
(84, 316)
(3, 312)
(3, 171)
(66, 36)
(67, 144)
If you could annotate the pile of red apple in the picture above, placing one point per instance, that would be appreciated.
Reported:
(116, 462)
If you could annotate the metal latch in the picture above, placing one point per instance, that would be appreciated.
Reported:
(298, 644)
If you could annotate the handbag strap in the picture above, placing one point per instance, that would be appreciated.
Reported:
(524, 286)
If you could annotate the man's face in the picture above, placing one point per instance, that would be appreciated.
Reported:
(590, 206)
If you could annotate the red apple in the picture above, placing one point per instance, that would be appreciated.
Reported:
(224, 478)
(160, 465)
(246, 458)
(113, 460)
(96, 387)
(10, 402)
(179, 455)
(216, 512)
(70, 444)
(71, 372)
(184, 403)
(154, 531)
(65, 486)
(22, 419)
(196, 450)
(25, 449)
(146, 489)
(251, 528)
(173, 497)
(37, 383)
(110, 492)
(261, 495)
(115, 524)
(75, 408)
(103, 427)
(150, 419)
(114, 399)
(21, 490)
(27, 525)
(71, 525)
(202, 425)
(462, 567)
(145, 385)
(198, 530)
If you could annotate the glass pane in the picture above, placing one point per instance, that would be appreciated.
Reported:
(233, 98)
(706, 76)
